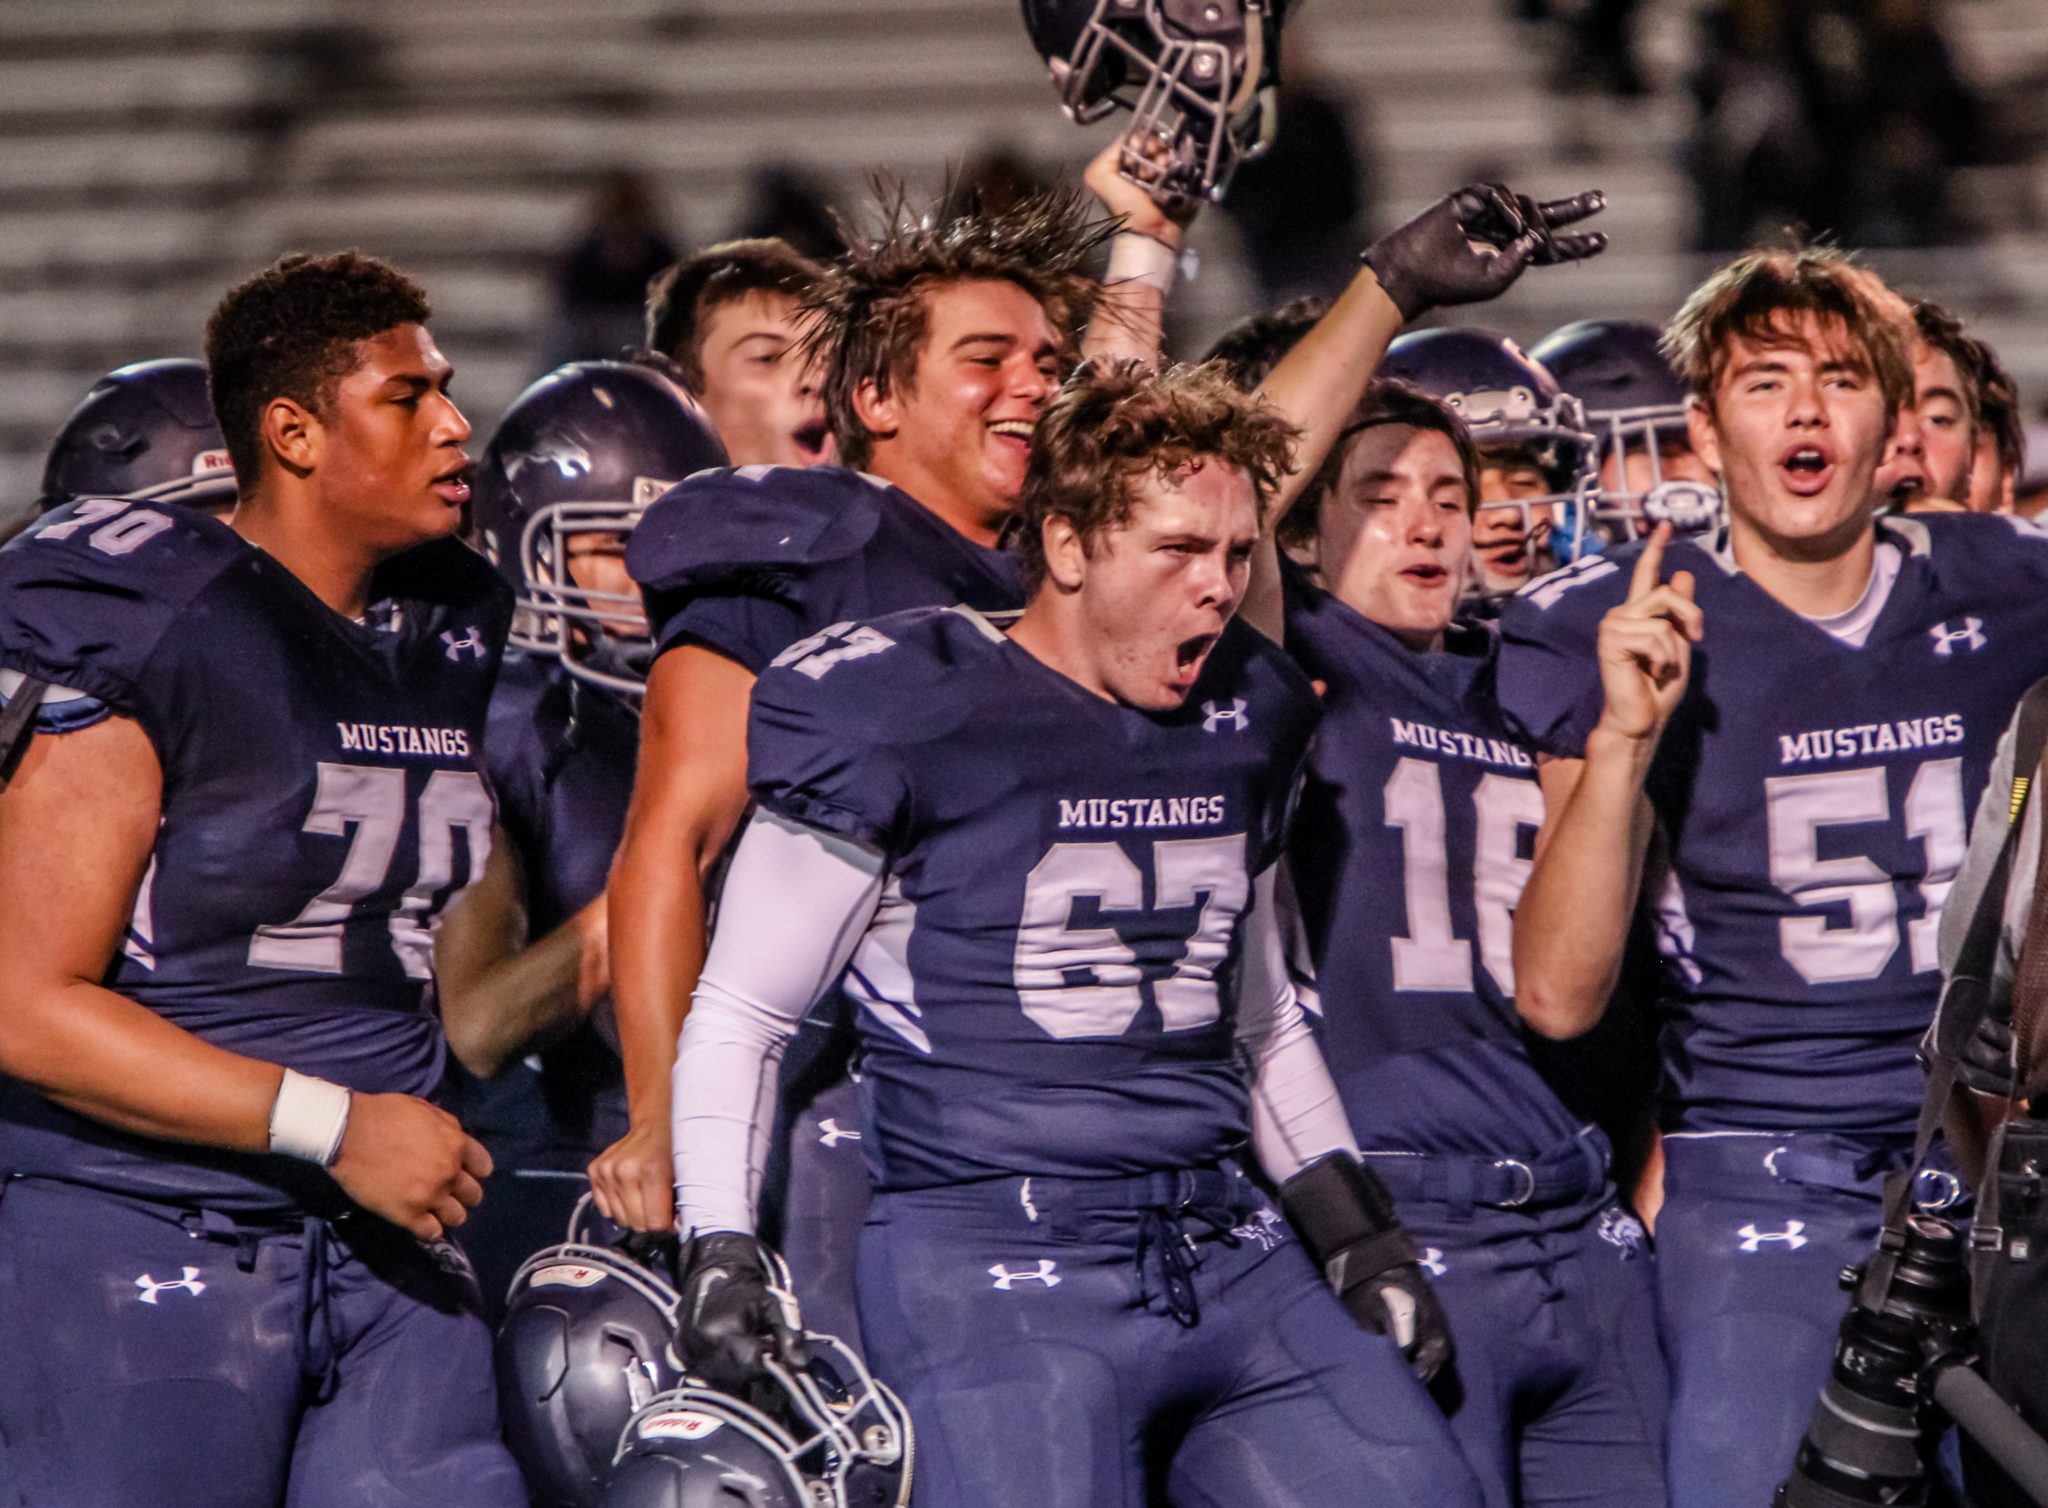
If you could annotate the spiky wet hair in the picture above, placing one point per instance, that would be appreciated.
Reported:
(872, 317)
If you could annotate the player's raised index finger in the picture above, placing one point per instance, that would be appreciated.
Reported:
(1650, 564)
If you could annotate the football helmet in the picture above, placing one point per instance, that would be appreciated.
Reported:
(1201, 79)
(828, 1436)
(586, 1342)
(144, 431)
(578, 457)
(1507, 402)
(1635, 405)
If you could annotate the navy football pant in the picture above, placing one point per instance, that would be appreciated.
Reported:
(1054, 1355)
(1558, 1395)
(815, 1195)
(1751, 1243)
(160, 1359)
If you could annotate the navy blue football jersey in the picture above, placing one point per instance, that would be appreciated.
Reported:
(1812, 798)
(560, 755)
(1048, 985)
(1415, 835)
(323, 798)
(749, 560)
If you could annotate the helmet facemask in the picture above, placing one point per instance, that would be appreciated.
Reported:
(1549, 434)
(1626, 511)
(600, 637)
(1200, 78)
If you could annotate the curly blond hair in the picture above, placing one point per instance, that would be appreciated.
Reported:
(1113, 423)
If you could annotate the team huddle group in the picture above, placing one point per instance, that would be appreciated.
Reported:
(992, 939)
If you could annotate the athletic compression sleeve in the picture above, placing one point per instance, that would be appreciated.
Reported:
(1296, 1114)
(795, 904)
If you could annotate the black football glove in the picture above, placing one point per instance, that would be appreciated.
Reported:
(1986, 1063)
(1471, 245)
(1345, 1219)
(733, 1319)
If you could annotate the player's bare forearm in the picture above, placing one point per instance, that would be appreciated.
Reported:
(501, 997)
(77, 824)
(657, 921)
(1572, 923)
(1317, 385)
(688, 798)
(1129, 320)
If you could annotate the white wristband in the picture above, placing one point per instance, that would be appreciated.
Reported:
(307, 1118)
(1138, 258)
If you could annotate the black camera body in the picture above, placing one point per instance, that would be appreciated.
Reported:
(1874, 1431)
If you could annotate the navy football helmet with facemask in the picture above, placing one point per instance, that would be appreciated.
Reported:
(1511, 406)
(586, 1342)
(826, 1436)
(1201, 79)
(573, 464)
(146, 432)
(1635, 406)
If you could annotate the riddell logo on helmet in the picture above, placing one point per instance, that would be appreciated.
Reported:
(211, 463)
(680, 1424)
(568, 1275)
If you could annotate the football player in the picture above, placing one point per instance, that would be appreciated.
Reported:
(1776, 749)
(521, 959)
(1536, 456)
(2001, 457)
(254, 781)
(1042, 858)
(147, 432)
(1635, 406)
(1409, 851)
(731, 320)
(1928, 465)
(943, 341)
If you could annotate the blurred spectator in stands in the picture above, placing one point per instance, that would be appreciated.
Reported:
(785, 203)
(1915, 121)
(601, 281)
(1599, 50)
(1301, 210)
(1840, 117)
(1757, 158)
(997, 180)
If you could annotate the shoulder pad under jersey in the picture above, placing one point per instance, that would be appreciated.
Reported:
(1975, 556)
(838, 718)
(90, 591)
(724, 525)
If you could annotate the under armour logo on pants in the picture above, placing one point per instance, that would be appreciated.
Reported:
(1046, 1272)
(151, 1288)
(1790, 1237)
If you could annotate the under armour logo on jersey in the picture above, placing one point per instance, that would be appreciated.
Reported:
(151, 1287)
(1214, 717)
(1432, 1261)
(474, 643)
(1792, 1237)
(1046, 1272)
(830, 1134)
(1263, 1227)
(1970, 636)
(1620, 1229)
